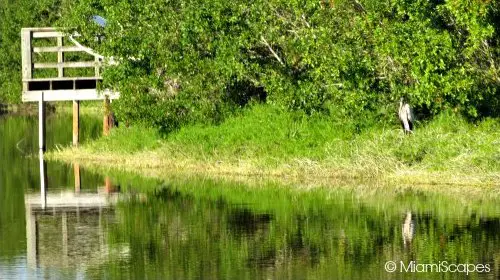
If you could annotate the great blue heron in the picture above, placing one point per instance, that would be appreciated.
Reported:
(406, 116)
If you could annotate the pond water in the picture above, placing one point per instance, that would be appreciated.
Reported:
(121, 226)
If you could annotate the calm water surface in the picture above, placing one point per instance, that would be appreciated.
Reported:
(119, 226)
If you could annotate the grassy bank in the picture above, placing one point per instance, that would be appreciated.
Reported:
(265, 141)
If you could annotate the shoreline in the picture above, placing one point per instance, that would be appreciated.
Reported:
(152, 165)
(447, 151)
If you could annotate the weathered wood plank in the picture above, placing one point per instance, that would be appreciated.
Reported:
(57, 49)
(72, 64)
(60, 58)
(26, 59)
(47, 34)
(69, 95)
(40, 29)
(63, 79)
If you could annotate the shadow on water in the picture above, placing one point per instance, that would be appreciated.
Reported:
(128, 227)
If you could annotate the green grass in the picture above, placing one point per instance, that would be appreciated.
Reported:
(267, 139)
(127, 140)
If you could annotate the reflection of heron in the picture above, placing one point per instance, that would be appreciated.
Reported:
(408, 229)
(406, 116)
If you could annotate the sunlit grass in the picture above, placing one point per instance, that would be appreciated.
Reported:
(267, 141)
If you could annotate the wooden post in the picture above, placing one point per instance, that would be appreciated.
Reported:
(107, 122)
(60, 58)
(41, 123)
(76, 122)
(26, 37)
(41, 145)
(76, 169)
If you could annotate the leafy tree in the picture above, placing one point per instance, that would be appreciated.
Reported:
(193, 60)
(15, 15)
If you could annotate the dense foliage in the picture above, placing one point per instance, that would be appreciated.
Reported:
(192, 60)
(15, 15)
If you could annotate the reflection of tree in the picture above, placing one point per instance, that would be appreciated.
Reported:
(173, 234)
(243, 222)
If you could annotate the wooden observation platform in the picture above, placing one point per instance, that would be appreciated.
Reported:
(45, 77)
(59, 87)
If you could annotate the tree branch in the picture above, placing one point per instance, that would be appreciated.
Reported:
(272, 51)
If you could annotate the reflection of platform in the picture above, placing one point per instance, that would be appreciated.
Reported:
(67, 200)
(67, 229)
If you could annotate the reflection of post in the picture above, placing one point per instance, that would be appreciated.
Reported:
(76, 168)
(101, 231)
(31, 237)
(65, 238)
(43, 180)
(108, 187)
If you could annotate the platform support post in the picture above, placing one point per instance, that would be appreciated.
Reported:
(78, 180)
(41, 145)
(107, 122)
(41, 123)
(76, 122)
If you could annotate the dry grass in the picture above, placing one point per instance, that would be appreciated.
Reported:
(299, 173)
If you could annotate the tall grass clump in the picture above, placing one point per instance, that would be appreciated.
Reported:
(448, 142)
(262, 131)
(274, 136)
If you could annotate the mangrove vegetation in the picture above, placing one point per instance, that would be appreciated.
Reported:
(286, 87)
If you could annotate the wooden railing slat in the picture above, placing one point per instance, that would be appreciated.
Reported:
(57, 49)
(60, 58)
(63, 79)
(73, 64)
(47, 34)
